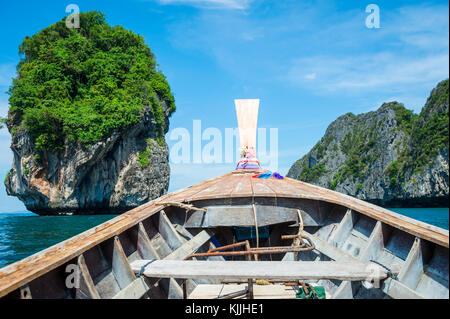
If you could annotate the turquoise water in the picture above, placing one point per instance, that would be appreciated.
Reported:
(23, 234)
(433, 216)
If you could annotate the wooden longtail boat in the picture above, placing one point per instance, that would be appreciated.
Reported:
(192, 244)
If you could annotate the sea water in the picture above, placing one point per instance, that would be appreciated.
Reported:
(23, 234)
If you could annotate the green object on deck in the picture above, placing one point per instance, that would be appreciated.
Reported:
(320, 293)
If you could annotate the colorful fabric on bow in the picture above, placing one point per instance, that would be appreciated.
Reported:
(268, 174)
(248, 164)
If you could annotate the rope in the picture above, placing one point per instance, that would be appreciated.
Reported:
(298, 241)
(389, 270)
(300, 221)
(143, 268)
(256, 225)
(187, 207)
(270, 245)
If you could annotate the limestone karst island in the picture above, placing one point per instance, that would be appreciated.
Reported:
(88, 113)
(308, 157)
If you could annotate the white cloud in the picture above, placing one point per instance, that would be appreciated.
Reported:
(311, 76)
(414, 54)
(368, 72)
(226, 4)
(420, 18)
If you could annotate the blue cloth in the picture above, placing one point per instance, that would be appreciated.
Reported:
(276, 175)
(265, 175)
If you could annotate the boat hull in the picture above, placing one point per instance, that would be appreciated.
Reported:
(99, 262)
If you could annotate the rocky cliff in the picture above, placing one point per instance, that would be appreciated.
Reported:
(88, 114)
(390, 157)
(113, 175)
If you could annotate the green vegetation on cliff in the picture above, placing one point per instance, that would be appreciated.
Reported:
(144, 157)
(431, 129)
(310, 174)
(81, 84)
(384, 153)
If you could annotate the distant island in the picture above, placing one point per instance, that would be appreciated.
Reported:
(88, 112)
(391, 157)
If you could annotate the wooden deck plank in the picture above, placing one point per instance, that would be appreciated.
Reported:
(204, 291)
(190, 246)
(187, 193)
(283, 189)
(261, 189)
(243, 187)
(222, 188)
(270, 270)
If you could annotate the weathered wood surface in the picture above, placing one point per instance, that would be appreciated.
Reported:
(239, 184)
(190, 246)
(223, 188)
(144, 244)
(243, 216)
(409, 225)
(22, 272)
(87, 288)
(344, 228)
(393, 288)
(135, 290)
(244, 185)
(275, 270)
(186, 194)
(370, 251)
(211, 291)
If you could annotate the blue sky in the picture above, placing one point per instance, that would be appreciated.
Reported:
(307, 61)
